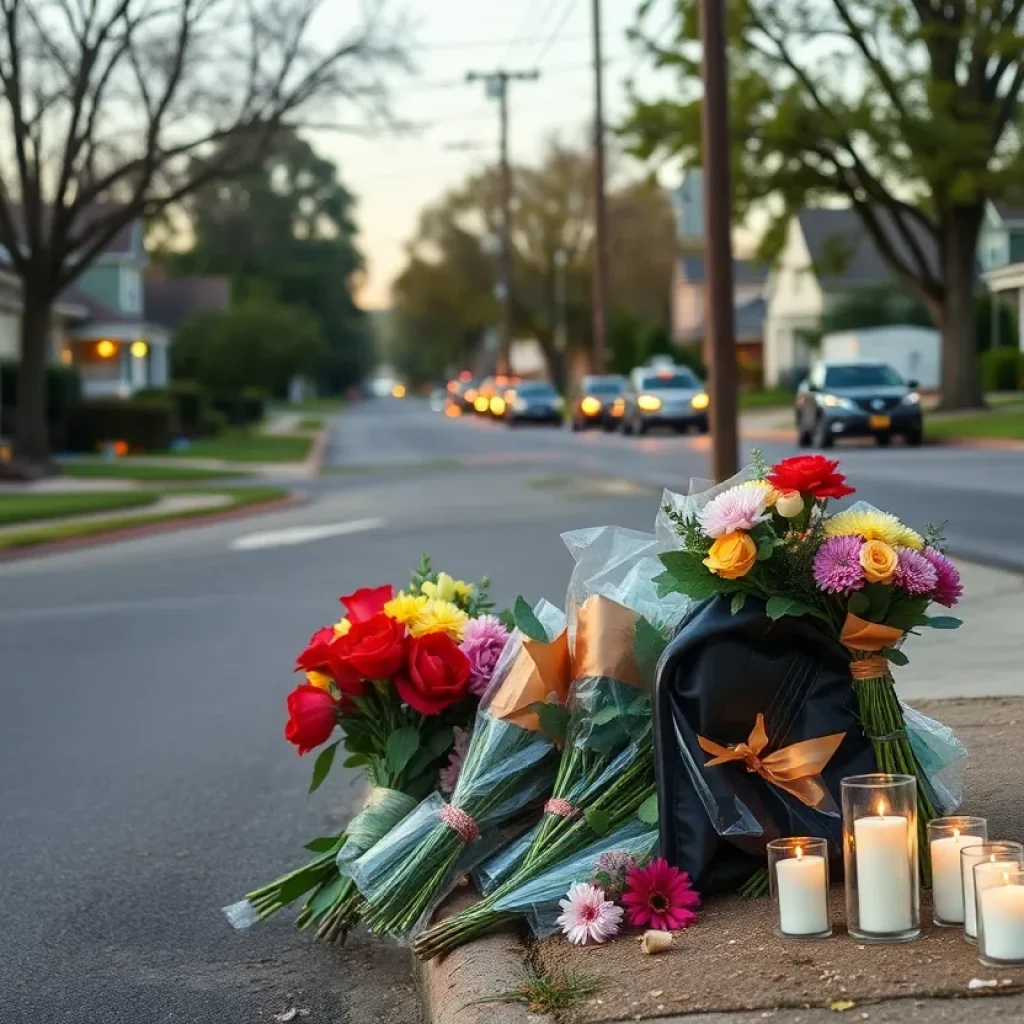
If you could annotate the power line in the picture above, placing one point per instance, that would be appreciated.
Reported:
(483, 44)
(566, 13)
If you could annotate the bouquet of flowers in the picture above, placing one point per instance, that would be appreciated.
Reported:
(509, 765)
(400, 675)
(860, 575)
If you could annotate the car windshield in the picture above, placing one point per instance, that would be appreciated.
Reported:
(535, 391)
(603, 385)
(676, 379)
(858, 376)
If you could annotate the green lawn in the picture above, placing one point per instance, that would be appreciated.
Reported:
(770, 399)
(238, 445)
(28, 508)
(311, 423)
(1004, 423)
(42, 535)
(125, 469)
(329, 405)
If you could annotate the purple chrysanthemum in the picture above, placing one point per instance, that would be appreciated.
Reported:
(837, 567)
(914, 573)
(482, 642)
(948, 589)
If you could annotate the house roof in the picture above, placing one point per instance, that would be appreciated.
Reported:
(169, 301)
(1010, 208)
(95, 309)
(748, 320)
(743, 271)
(843, 254)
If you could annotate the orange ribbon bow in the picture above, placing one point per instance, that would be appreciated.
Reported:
(795, 769)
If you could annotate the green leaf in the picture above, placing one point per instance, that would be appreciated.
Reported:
(322, 766)
(648, 645)
(879, 596)
(507, 619)
(942, 621)
(527, 622)
(598, 821)
(554, 719)
(355, 761)
(326, 896)
(896, 656)
(607, 714)
(859, 603)
(738, 601)
(776, 607)
(439, 742)
(648, 810)
(401, 746)
(322, 844)
(906, 613)
(765, 549)
(686, 573)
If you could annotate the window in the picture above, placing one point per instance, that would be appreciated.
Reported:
(861, 375)
(131, 290)
(671, 379)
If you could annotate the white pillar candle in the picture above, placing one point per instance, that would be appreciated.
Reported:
(970, 906)
(1002, 920)
(883, 873)
(947, 882)
(803, 896)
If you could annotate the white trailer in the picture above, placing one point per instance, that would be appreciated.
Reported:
(913, 352)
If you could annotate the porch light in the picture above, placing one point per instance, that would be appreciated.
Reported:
(139, 349)
(105, 349)
(66, 357)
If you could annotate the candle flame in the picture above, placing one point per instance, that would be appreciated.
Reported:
(799, 852)
(992, 858)
(881, 808)
(1006, 878)
(956, 833)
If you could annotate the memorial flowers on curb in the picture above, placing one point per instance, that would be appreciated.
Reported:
(660, 896)
(587, 916)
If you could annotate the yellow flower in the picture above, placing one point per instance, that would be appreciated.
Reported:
(439, 617)
(878, 561)
(870, 524)
(319, 680)
(341, 627)
(404, 607)
(732, 555)
(447, 589)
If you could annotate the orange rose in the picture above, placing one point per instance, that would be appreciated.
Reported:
(732, 555)
(878, 561)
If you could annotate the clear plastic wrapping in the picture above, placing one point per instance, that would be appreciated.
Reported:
(940, 755)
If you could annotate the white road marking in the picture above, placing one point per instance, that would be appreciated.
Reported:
(301, 534)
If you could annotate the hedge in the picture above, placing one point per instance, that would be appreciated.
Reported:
(146, 424)
(1002, 369)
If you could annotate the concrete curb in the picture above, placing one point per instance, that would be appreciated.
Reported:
(150, 529)
(314, 461)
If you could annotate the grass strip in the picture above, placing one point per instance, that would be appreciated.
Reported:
(27, 508)
(240, 445)
(1007, 423)
(127, 470)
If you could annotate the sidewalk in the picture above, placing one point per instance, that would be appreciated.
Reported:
(730, 968)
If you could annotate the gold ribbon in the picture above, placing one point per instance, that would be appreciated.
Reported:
(796, 769)
(539, 670)
(605, 640)
(867, 638)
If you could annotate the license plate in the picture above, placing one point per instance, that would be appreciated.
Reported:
(879, 422)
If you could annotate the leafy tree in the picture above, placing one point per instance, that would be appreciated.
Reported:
(908, 110)
(107, 104)
(258, 343)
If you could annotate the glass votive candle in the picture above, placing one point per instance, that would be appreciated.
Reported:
(946, 838)
(798, 874)
(997, 856)
(880, 855)
(999, 906)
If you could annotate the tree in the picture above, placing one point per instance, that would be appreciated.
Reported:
(115, 109)
(285, 230)
(907, 110)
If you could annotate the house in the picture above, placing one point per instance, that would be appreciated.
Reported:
(1001, 255)
(827, 255)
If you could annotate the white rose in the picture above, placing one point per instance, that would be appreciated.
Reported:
(789, 504)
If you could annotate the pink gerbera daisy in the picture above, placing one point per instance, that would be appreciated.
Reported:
(660, 896)
(587, 916)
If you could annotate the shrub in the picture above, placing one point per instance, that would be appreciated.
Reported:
(191, 402)
(1002, 369)
(212, 422)
(144, 423)
(63, 390)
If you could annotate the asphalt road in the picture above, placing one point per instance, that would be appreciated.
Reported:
(144, 779)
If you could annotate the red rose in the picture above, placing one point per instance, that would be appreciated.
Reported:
(312, 716)
(365, 603)
(437, 675)
(375, 649)
(316, 654)
(810, 474)
(326, 652)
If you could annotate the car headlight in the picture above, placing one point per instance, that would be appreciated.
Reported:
(481, 403)
(701, 401)
(649, 403)
(835, 402)
(497, 405)
(590, 406)
(520, 405)
(913, 398)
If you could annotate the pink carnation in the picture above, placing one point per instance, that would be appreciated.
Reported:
(948, 590)
(483, 640)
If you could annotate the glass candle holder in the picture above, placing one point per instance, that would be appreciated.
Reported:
(798, 873)
(999, 907)
(880, 854)
(946, 838)
(997, 856)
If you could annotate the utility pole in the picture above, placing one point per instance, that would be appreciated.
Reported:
(496, 83)
(600, 294)
(561, 325)
(718, 241)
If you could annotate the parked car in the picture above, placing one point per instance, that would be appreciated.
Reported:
(533, 401)
(594, 404)
(838, 400)
(670, 397)
(464, 394)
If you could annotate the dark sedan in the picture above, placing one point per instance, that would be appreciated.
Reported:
(839, 400)
(534, 402)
